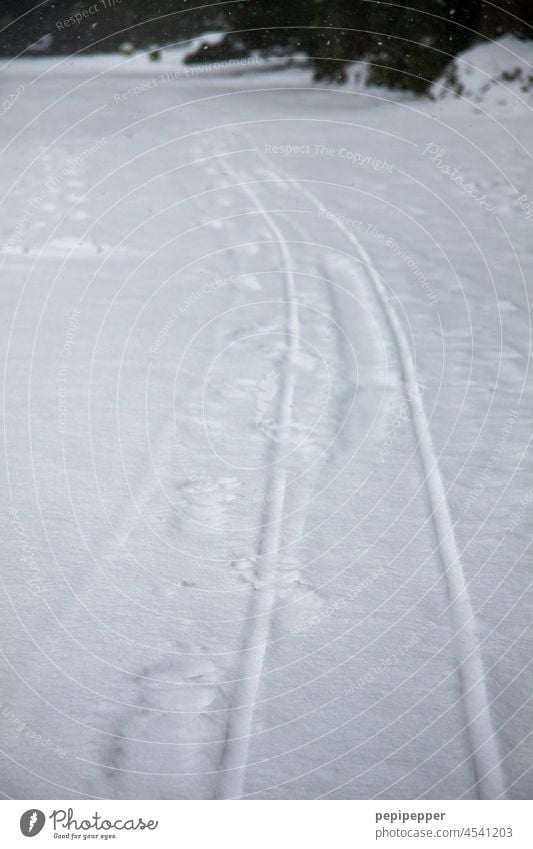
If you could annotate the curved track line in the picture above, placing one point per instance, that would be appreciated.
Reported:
(485, 757)
(231, 777)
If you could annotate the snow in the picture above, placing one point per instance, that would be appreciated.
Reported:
(497, 73)
(266, 390)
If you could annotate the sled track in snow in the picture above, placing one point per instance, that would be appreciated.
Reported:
(485, 757)
(230, 780)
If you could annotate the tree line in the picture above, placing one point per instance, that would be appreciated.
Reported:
(407, 43)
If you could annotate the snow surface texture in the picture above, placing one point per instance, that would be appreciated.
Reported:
(266, 417)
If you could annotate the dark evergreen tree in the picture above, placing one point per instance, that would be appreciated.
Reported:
(273, 29)
(514, 16)
(411, 47)
(338, 34)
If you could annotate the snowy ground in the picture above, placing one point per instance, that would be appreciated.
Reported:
(266, 416)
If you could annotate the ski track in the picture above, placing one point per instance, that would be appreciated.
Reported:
(230, 784)
(485, 756)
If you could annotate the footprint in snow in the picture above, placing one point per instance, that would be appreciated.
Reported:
(152, 751)
(237, 388)
(187, 684)
(267, 393)
(206, 501)
(304, 360)
(251, 282)
(506, 306)
(296, 598)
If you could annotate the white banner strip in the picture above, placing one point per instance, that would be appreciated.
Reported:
(269, 825)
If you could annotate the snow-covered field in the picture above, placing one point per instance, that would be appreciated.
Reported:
(266, 417)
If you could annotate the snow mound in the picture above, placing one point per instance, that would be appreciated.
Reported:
(209, 39)
(498, 73)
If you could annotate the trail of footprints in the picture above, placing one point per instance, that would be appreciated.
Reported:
(178, 700)
(61, 190)
(210, 501)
